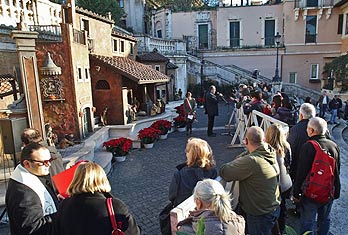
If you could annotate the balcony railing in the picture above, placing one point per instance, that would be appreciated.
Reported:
(47, 32)
(313, 3)
(79, 36)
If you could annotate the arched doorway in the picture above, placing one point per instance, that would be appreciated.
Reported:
(86, 122)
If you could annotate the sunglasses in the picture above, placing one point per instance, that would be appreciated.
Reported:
(42, 163)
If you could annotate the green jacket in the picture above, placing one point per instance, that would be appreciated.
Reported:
(258, 181)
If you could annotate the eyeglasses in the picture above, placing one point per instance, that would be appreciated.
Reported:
(42, 163)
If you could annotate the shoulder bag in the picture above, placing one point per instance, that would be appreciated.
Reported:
(115, 229)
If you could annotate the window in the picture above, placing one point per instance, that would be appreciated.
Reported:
(314, 71)
(121, 3)
(234, 34)
(293, 77)
(311, 29)
(131, 48)
(85, 26)
(346, 31)
(159, 33)
(340, 24)
(157, 67)
(203, 36)
(79, 71)
(312, 3)
(269, 32)
(102, 85)
(115, 44)
(122, 46)
(86, 73)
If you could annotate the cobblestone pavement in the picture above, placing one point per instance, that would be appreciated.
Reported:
(142, 181)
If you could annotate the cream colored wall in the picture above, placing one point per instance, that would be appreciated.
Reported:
(183, 24)
(344, 38)
(100, 32)
(252, 23)
(127, 47)
(299, 55)
(83, 89)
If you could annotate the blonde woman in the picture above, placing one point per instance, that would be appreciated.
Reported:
(214, 206)
(199, 165)
(85, 211)
(275, 136)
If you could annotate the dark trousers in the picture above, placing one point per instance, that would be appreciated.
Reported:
(210, 124)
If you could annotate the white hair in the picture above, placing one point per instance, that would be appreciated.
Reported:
(318, 124)
(211, 192)
(307, 110)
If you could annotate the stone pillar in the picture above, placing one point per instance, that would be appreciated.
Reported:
(25, 43)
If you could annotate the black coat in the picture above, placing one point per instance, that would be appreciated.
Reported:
(211, 104)
(306, 159)
(86, 214)
(185, 180)
(24, 209)
(297, 137)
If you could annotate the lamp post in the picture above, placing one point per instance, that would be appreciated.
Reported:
(276, 77)
(202, 75)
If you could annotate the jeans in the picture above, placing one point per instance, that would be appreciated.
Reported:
(322, 110)
(262, 224)
(333, 115)
(308, 211)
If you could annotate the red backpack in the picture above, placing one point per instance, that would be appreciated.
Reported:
(319, 183)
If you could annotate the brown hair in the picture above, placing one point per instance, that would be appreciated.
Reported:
(275, 136)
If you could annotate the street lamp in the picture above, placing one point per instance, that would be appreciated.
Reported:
(202, 76)
(276, 77)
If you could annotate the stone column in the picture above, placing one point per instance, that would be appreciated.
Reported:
(25, 42)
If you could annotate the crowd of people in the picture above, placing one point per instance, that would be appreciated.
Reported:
(276, 166)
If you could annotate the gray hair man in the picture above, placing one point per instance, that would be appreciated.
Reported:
(298, 135)
(257, 171)
(311, 209)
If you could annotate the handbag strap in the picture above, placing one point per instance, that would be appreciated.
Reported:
(112, 217)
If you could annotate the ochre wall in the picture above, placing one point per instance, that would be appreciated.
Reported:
(62, 116)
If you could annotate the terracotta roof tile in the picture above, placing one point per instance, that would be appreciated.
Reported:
(170, 65)
(136, 71)
(152, 56)
(5, 84)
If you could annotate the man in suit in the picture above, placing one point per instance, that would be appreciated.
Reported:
(212, 108)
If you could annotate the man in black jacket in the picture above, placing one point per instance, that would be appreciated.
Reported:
(298, 135)
(211, 108)
(311, 209)
(30, 199)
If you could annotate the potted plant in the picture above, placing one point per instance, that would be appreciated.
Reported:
(180, 122)
(119, 147)
(148, 136)
(162, 125)
(180, 109)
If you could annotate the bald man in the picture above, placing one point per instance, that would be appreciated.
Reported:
(257, 171)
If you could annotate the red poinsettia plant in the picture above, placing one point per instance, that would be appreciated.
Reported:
(148, 135)
(180, 109)
(120, 146)
(162, 125)
(180, 121)
(200, 101)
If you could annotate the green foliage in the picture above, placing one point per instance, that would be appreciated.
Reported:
(289, 230)
(186, 5)
(102, 7)
(200, 227)
(339, 68)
